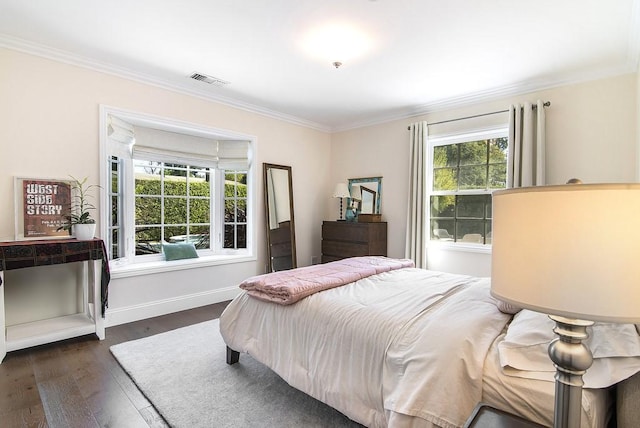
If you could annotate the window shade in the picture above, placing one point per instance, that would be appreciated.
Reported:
(120, 130)
(165, 146)
(233, 155)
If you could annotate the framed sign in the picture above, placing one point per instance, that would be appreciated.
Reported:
(41, 206)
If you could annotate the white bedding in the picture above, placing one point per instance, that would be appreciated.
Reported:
(379, 349)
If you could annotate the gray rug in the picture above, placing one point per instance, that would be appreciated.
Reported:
(184, 374)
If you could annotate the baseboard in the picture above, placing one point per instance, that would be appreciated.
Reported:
(162, 307)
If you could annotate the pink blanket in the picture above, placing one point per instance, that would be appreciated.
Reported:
(289, 286)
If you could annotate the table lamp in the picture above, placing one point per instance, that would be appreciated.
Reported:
(341, 191)
(569, 251)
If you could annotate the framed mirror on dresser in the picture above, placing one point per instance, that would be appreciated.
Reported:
(366, 197)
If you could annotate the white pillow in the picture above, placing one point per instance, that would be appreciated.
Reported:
(507, 308)
(524, 350)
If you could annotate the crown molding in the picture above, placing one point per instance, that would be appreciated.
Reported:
(66, 57)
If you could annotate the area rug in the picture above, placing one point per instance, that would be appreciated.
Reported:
(184, 374)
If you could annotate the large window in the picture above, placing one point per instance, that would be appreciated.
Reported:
(175, 187)
(465, 171)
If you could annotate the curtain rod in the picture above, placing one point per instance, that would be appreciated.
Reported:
(545, 104)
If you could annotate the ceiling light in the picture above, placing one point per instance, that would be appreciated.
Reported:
(334, 42)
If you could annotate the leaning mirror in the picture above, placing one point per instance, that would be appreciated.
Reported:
(369, 194)
(278, 199)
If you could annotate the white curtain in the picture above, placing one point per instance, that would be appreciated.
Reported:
(526, 145)
(417, 213)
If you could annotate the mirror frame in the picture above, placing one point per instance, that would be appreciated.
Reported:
(378, 196)
(292, 227)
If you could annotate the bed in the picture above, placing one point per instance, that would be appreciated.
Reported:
(406, 347)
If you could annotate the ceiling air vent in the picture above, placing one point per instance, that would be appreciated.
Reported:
(209, 79)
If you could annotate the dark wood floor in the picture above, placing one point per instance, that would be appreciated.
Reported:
(78, 383)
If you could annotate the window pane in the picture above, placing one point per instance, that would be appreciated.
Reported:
(498, 149)
(489, 207)
(229, 236)
(174, 185)
(175, 210)
(148, 176)
(241, 236)
(114, 244)
(498, 176)
(114, 177)
(445, 179)
(148, 240)
(442, 230)
(200, 236)
(229, 211)
(148, 210)
(114, 210)
(487, 227)
(199, 210)
(242, 211)
(445, 156)
(471, 206)
(199, 183)
(470, 231)
(175, 234)
(443, 206)
(474, 153)
(473, 177)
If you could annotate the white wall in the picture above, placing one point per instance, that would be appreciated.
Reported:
(591, 134)
(50, 113)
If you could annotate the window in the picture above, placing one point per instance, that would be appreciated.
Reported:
(235, 209)
(172, 204)
(465, 171)
(165, 186)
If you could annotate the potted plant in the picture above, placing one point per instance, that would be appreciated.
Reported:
(79, 221)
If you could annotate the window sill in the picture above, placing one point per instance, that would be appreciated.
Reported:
(160, 266)
(460, 246)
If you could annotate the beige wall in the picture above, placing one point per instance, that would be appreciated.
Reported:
(591, 134)
(50, 114)
(49, 128)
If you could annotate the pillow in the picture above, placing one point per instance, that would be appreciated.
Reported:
(179, 251)
(524, 350)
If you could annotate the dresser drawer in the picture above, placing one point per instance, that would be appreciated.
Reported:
(344, 231)
(344, 249)
(341, 239)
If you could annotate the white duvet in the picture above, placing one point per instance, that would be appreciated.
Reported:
(402, 348)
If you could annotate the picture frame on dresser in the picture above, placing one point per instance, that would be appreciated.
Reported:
(40, 206)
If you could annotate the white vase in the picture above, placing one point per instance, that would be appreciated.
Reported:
(84, 232)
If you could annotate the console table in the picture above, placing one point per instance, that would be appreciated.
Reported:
(26, 254)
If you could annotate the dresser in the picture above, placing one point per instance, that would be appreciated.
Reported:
(342, 239)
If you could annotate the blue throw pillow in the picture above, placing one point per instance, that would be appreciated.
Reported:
(179, 251)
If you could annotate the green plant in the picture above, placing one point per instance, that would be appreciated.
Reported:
(80, 205)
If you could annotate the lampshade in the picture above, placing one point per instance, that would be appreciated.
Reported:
(341, 191)
(356, 193)
(570, 250)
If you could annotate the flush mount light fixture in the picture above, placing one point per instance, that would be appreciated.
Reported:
(332, 41)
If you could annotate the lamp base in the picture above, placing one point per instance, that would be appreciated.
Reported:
(572, 359)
